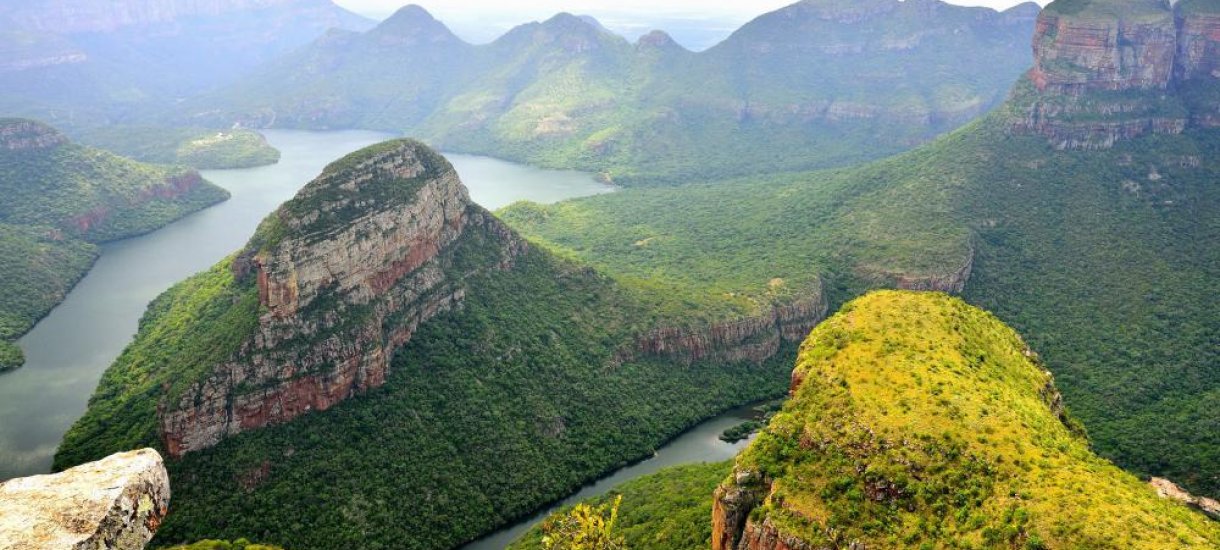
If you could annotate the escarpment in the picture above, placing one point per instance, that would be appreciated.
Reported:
(754, 339)
(1104, 73)
(915, 417)
(344, 274)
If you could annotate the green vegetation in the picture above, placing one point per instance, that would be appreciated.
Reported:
(199, 148)
(793, 90)
(749, 427)
(59, 198)
(512, 401)
(1103, 258)
(924, 422)
(584, 527)
(239, 544)
(669, 510)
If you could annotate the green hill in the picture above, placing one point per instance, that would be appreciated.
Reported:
(916, 421)
(919, 421)
(60, 199)
(516, 382)
(820, 83)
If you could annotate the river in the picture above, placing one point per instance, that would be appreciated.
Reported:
(700, 444)
(67, 351)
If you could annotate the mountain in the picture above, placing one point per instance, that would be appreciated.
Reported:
(82, 64)
(386, 364)
(1098, 247)
(60, 199)
(917, 418)
(785, 92)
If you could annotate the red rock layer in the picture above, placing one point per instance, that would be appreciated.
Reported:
(1081, 62)
(338, 301)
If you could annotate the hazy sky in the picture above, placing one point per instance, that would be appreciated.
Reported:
(695, 23)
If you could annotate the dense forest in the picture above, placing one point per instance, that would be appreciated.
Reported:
(60, 199)
(1045, 230)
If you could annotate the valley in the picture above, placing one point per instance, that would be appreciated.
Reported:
(369, 285)
(67, 352)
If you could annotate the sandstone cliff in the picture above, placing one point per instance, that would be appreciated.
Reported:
(115, 503)
(345, 274)
(1109, 71)
(754, 339)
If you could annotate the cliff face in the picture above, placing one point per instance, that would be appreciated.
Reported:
(345, 273)
(116, 503)
(754, 339)
(1106, 72)
(27, 135)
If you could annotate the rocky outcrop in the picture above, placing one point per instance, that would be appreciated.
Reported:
(731, 506)
(1170, 490)
(1198, 46)
(953, 282)
(345, 274)
(115, 503)
(27, 135)
(1106, 73)
(751, 339)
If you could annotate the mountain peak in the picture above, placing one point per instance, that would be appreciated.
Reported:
(658, 39)
(411, 24)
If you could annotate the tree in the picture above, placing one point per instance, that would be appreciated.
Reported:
(584, 528)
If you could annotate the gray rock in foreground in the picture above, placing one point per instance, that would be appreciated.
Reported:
(115, 503)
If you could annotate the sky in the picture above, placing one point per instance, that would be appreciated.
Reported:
(697, 24)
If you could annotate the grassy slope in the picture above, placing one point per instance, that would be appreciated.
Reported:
(668, 510)
(42, 253)
(1132, 347)
(941, 429)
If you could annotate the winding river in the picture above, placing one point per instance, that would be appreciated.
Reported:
(67, 352)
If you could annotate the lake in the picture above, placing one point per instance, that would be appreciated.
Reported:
(67, 352)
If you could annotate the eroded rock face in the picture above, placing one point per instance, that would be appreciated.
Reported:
(751, 339)
(1074, 55)
(1103, 74)
(1170, 490)
(357, 270)
(26, 135)
(114, 503)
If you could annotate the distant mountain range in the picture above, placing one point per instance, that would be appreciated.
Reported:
(82, 63)
(819, 83)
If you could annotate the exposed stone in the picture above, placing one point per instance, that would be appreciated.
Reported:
(25, 135)
(353, 290)
(1170, 490)
(115, 503)
(753, 339)
(1102, 76)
